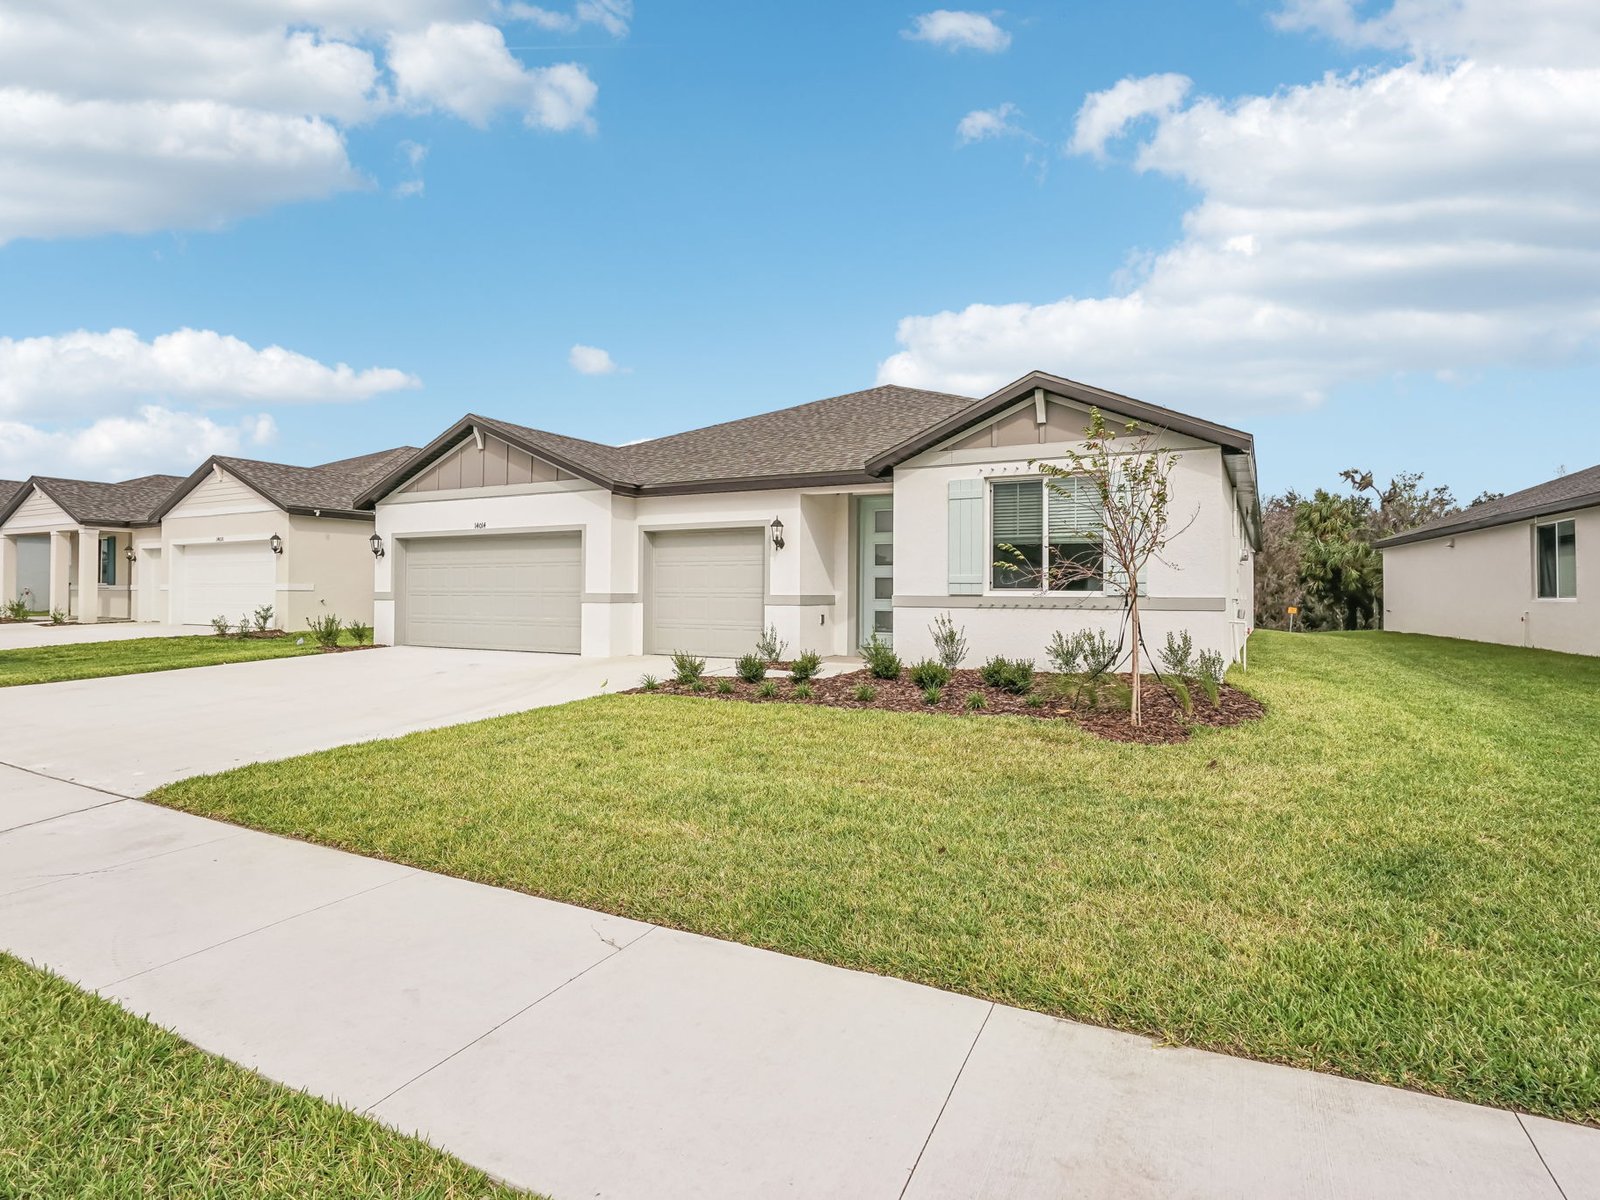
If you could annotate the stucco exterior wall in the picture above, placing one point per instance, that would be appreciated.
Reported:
(1483, 589)
(1198, 588)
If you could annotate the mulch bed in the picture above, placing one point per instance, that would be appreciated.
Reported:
(1164, 720)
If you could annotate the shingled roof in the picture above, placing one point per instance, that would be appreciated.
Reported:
(1580, 489)
(329, 490)
(8, 491)
(88, 502)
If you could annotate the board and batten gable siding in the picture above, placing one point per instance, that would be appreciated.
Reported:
(1483, 588)
(497, 464)
(221, 493)
(38, 511)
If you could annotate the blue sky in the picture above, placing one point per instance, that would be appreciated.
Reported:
(740, 204)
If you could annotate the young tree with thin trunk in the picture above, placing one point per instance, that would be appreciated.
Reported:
(1130, 474)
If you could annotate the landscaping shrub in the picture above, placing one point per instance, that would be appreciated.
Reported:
(724, 687)
(932, 694)
(1014, 675)
(649, 683)
(221, 626)
(264, 618)
(57, 617)
(928, 673)
(361, 634)
(802, 691)
(242, 629)
(1177, 656)
(17, 610)
(770, 646)
(767, 690)
(686, 668)
(881, 659)
(1210, 667)
(805, 667)
(1034, 700)
(325, 630)
(949, 642)
(1086, 652)
(975, 700)
(865, 693)
(752, 668)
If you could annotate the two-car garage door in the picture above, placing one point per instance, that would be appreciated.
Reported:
(501, 592)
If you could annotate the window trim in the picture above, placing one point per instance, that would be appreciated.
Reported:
(989, 588)
(106, 560)
(1556, 524)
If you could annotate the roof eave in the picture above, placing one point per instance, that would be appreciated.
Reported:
(754, 483)
(1533, 512)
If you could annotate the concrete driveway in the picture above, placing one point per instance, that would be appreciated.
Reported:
(132, 733)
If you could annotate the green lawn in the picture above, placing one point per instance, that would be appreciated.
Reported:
(1395, 875)
(92, 660)
(100, 1105)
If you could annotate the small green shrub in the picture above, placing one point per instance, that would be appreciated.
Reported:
(767, 690)
(724, 687)
(57, 617)
(865, 693)
(881, 659)
(802, 691)
(976, 701)
(221, 626)
(927, 674)
(17, 610)
(1086, 652)
(1180, 693)
(649, 683)
(361, 634)
(242, 629)
(263, 618)
(949, 641)
(697, 685)
(1210, 668)
(325, 630)
(770, 646)
(752, 668)
(686, 668)
(805, 666)
(1014, 675)
(1177, 656)
(1034, 700)
(932, 694)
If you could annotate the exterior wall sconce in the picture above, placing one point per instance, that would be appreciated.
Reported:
(777, 533)
(276, 543)
(377, 546)
(130, 554)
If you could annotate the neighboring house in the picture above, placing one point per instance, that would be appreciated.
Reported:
(866, 513)
(1523, 570)
(79, 532)
(239, 534)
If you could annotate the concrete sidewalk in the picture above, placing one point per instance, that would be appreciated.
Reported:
(587, 1055)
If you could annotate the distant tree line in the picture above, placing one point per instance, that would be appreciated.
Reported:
(1318, 554)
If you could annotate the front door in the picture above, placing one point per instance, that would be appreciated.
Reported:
(877, 568)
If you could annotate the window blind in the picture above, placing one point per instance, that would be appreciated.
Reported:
(1018, 513)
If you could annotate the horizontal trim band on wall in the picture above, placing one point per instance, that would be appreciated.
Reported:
(1083, 603)
(802, 601)
(382, 596)
(612, 598)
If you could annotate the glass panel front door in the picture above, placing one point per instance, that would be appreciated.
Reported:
(877, 567)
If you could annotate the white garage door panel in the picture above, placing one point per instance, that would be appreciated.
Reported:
(225, 579)
(707, 591)
(495, 593)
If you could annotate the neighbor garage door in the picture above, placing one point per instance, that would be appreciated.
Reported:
(225, 579)
(707, 593)
(521, 592)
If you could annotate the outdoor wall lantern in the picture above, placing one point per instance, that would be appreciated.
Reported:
(276, 543)
(377, 546)
(777, 533)
(130, 554)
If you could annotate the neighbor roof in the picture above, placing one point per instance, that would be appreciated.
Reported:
(329, 490)
(131, 502)
(1581, 489)
(858, 437)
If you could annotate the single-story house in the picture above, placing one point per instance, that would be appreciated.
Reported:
(1523, 570)
(871, 512)
(64, 539)
(240, 534)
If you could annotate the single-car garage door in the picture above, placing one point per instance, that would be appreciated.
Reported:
(522, 592)
(707, 591)
(225, 579)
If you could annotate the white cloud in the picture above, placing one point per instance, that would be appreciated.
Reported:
(1105, 115)
(156, 440)
(981, 124)
(956, 30)
(87, 374)
(127, 119)
(1546, 33)
(465, 68)
(591, 360)
(1430, 216)
(611, 15)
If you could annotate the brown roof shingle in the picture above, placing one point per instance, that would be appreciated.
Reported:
(330, 487)
(131, 502)
(1580, 489)
(9, 489)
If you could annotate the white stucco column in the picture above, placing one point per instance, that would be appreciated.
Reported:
(88, 576)
(8, 569)
(60, 568)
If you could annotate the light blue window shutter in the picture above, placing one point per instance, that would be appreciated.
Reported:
(968, 546)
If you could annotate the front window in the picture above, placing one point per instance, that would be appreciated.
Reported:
(1034, 528)
(1556, 551)
(108, 560)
